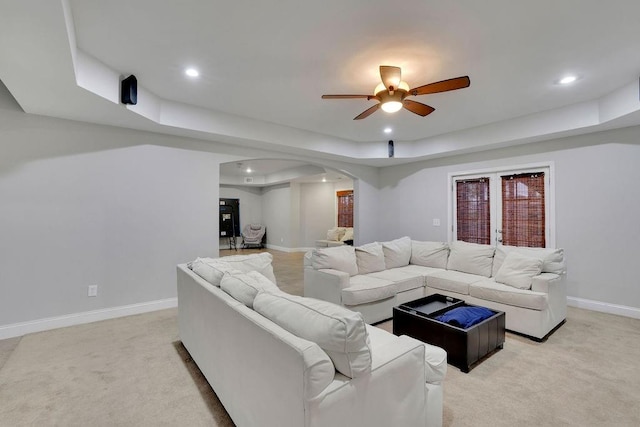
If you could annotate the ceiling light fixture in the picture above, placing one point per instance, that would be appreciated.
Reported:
(248, 170)
(387, 130)
(391, 100)
(567, 80)
(324, 179)
(191, 72)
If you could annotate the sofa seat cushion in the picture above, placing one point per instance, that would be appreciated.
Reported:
(435, 357)
(419, 269)
(340, 332)
(453, 281)
(491, 291)
(364, 288)
(404, 280)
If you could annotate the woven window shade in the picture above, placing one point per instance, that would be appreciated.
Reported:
(523, 210)
(345, 208)
(473, 211)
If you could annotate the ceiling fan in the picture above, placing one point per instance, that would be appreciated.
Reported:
(392, 93)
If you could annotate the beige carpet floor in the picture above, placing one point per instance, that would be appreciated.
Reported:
(133, 371)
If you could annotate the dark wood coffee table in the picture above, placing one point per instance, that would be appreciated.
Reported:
(465, 347)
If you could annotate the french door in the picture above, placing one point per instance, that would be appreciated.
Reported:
(503, 207)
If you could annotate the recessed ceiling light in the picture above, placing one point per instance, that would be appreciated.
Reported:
(387, 130)
(248, 170)
(567, 80)
(191, 72)
(324, 179)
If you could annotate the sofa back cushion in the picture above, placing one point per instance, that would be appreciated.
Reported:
(341, 258)
(212, 269)
(245, 286)
(471, 258)
(334, 234)
(348, 234)
(370, 258)
(397, 253)
(518, 270)
(552, 259)
(340, 332)
(429, 254)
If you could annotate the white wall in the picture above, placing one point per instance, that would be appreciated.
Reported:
(84, 204)
(92, 205)
(317, 212)
(276, 214)
(597, 206)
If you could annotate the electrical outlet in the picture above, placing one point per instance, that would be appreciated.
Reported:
(436, 222)
(92, 291)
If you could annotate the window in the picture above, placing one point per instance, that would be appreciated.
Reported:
(508, 207)
(473, 221)
(523, 210)
(345, 208)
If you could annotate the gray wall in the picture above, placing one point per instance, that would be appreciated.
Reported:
(93, 205)
(317, 212)
(250, 206)
(84, 204)
(276, 214)
(597, 206)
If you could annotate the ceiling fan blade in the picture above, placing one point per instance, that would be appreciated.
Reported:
(390, 76)
(368, 97)
(366, 113)
(417, 107)
(442, 86)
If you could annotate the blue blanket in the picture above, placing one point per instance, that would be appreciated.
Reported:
(465, 317)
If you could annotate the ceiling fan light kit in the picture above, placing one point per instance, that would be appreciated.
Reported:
(392, 91)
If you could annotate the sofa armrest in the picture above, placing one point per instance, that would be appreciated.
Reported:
(325, 284)
(435, 358)
(543, 282)
(395, 393)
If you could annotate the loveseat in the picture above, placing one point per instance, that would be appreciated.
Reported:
(279, 360)
(336, 236)
(528, 284)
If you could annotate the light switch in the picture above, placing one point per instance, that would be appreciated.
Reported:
(436, 222)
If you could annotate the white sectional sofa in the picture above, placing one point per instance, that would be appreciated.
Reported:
(278, 360)
(528, 284)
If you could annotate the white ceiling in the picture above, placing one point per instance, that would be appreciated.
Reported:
(265, 65)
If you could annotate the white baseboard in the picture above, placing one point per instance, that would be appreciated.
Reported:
(604, 307)
(283, 249)
(23, 328)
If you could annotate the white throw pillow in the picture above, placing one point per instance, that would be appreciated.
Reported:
(340, 332)
(341, 258)
(370, 258)
(212, 269)
(471, 258)
(245, 286)
(518, 270)
(397, 253)
(348, 235)
(429, 254)
(333, 234)
(552, 259)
